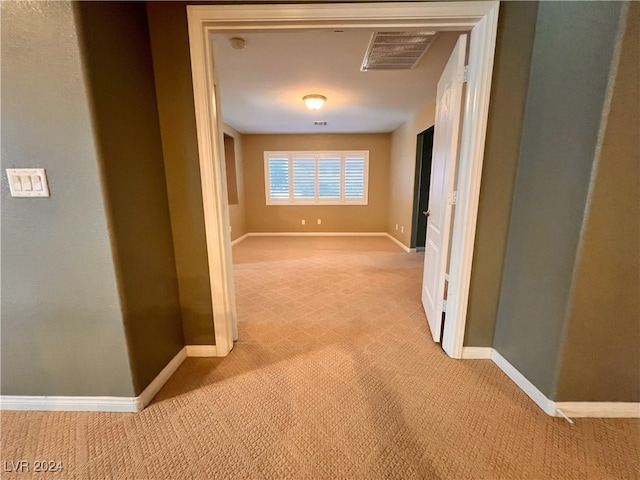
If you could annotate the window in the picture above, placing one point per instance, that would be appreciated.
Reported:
(316, 178)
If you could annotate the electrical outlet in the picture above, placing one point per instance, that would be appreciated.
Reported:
(319, 222)
(402, 229)
(396, 226)
(303, 222)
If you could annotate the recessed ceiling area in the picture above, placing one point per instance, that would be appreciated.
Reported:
(262, 84)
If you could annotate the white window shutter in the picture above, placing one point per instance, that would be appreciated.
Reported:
(354, 174)
(316, 178)
(304, 178)
(329, 178)
(279, 178)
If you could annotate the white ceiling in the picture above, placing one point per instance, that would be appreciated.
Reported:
(262, 85)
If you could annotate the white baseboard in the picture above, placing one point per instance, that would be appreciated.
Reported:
(470, 353)
(569, 409)
(107, 403)
(400, 244)
(157, 383)
(525, 385)
(239, 239)
(68, 404)
(97, 403)
(203, 351)
(317, 234)
(323, 234)
(600, 409)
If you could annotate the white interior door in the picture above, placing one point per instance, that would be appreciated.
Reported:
(443, 168)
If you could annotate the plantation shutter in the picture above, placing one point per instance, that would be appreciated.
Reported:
(329, 178)
(316, 178)
(354, 170)
(304, 178)
(279, 178)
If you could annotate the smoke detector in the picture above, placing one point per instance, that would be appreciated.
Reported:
(396, 50)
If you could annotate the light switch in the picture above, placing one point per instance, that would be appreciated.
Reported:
(16, 183)
(28, 182)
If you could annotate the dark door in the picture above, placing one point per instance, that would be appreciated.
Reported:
(424, 150)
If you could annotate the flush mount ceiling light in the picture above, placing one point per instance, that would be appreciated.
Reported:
(314, 102)
(237, 43)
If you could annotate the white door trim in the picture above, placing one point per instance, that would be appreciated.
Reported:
(480, 17)
(474, 132)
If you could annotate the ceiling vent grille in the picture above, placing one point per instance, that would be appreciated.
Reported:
(396, 50)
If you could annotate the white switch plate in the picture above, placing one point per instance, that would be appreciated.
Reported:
(28, 182)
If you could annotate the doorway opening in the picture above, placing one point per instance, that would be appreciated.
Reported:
(479, 17)
(424, 152)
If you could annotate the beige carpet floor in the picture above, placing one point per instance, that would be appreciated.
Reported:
(334, 377)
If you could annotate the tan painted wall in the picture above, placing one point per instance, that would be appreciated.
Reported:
(114, 40)
(403, 168)
(342, 218)
(603, 329)
(237, 212)
(514, 46)
(172, 67)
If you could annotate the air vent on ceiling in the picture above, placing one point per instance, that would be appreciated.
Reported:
(319, 123)
(396, 50)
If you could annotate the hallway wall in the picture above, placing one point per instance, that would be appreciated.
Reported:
(114, 41)
(514, 47)
(62, 329)
(172, 68)
(563, 116)
(603, 315)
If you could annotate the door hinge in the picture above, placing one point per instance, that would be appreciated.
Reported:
(464, 74)
(452, 197)
(442, 305)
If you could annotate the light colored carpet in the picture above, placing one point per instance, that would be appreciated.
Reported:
(334, 376)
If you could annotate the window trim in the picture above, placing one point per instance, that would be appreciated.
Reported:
(318, 154)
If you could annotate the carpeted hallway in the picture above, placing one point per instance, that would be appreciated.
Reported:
(334, 376)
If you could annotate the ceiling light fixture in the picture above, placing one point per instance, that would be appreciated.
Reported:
(238, 43)
(314, 102)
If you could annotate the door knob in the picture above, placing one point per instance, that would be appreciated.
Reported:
(426, 213)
